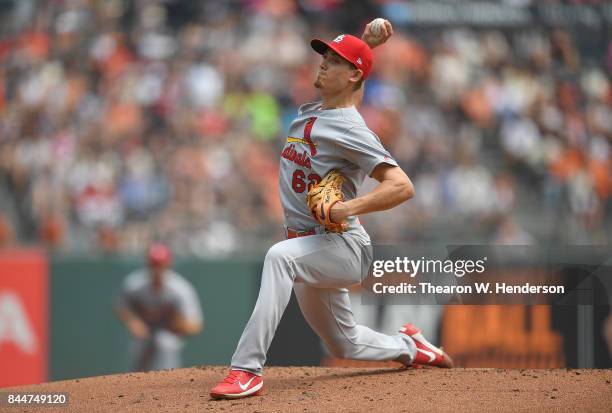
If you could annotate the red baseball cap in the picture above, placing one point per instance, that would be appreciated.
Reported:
(159, 254)
(350, 48)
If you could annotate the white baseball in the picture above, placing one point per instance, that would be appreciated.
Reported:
(376, 26)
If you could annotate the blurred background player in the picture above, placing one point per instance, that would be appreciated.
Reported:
(158, 307)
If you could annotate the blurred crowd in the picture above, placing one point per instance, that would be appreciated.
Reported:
(123, 122)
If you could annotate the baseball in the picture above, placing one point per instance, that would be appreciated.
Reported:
(376, 26)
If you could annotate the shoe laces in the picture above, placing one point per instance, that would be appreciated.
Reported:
(233, 376)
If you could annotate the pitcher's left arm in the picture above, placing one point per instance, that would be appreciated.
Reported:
(394, 188)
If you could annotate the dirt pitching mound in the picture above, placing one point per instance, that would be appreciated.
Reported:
(320, 389)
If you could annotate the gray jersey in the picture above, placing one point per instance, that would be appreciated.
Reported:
(158, 308)
(321, 140)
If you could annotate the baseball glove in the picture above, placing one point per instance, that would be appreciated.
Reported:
(322, 197)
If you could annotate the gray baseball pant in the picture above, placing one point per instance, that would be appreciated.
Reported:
(319, 268)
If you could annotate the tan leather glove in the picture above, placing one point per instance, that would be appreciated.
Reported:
(322, 197)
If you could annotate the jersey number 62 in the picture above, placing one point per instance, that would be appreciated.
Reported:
(298, 182)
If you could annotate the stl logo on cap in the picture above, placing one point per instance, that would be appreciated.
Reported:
(339, 38)
(359, 60)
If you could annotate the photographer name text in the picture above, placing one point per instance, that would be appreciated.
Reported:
(475, 288)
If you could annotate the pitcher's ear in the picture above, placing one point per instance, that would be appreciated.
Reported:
(357, 75)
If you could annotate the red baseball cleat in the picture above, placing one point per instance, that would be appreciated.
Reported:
(427, 354)
(237, 384)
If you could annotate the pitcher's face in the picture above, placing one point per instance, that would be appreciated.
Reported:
(335, 74)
